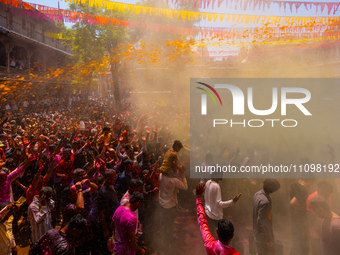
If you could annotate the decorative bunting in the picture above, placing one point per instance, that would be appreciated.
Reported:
(258, 34)
(132, 8)
(246, 5)
(122, 7)
(276, 49)
(54, 35)
(303, 30)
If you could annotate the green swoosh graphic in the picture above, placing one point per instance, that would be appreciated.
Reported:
(208, 93)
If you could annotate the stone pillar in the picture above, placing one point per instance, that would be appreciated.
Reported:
(7, 61)
(9, 48)
(28, 64)
(44, 63)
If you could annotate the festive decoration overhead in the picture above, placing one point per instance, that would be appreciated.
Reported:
(244, 5)
(121, 7)
(253, 34)
(335, 36)
(302, 47)
(54, 35)
(209, 16)
(228, 33)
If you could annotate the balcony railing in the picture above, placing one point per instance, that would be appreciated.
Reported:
(35, 35)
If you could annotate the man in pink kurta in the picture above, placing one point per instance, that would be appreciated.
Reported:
(225, 230)
(6, 180)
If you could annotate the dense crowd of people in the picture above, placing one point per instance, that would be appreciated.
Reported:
(82, 173)
(85, 183)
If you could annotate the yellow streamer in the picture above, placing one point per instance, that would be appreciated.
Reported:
(189, 15)
(169, 13)
(184, 14)
(54, 35)
(145, 9)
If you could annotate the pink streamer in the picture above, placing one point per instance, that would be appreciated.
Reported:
(297, 6)
(264, 5)
(306, 6)
(336, 8)
(39, 15)
(330, 7)
(291, 6)
(317, 7)
(269, 4)
(261, 2)
(245, 4)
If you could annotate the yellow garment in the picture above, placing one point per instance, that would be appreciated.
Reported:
(103, 138)
(169, 158)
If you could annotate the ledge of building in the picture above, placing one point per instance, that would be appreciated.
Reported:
(11, 33)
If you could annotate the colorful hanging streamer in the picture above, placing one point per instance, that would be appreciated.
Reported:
(335, 36)
(51, 13)
(246, 5)
(279, 49)
(54, 35)
(121, 7)
(192, 15)
(227, 33)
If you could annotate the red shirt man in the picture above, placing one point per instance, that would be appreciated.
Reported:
(65, 169)
(225, 230)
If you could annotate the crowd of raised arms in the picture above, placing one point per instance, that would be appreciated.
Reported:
(80, 182)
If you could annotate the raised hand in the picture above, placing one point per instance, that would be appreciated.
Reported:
(236, 198)
(86, 182)
(79, 186)
(200, 187)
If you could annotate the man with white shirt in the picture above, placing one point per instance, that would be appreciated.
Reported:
(168, 189)
(213, 202)
(39, 213)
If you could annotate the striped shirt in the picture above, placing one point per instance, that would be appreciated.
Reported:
(40, 218)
